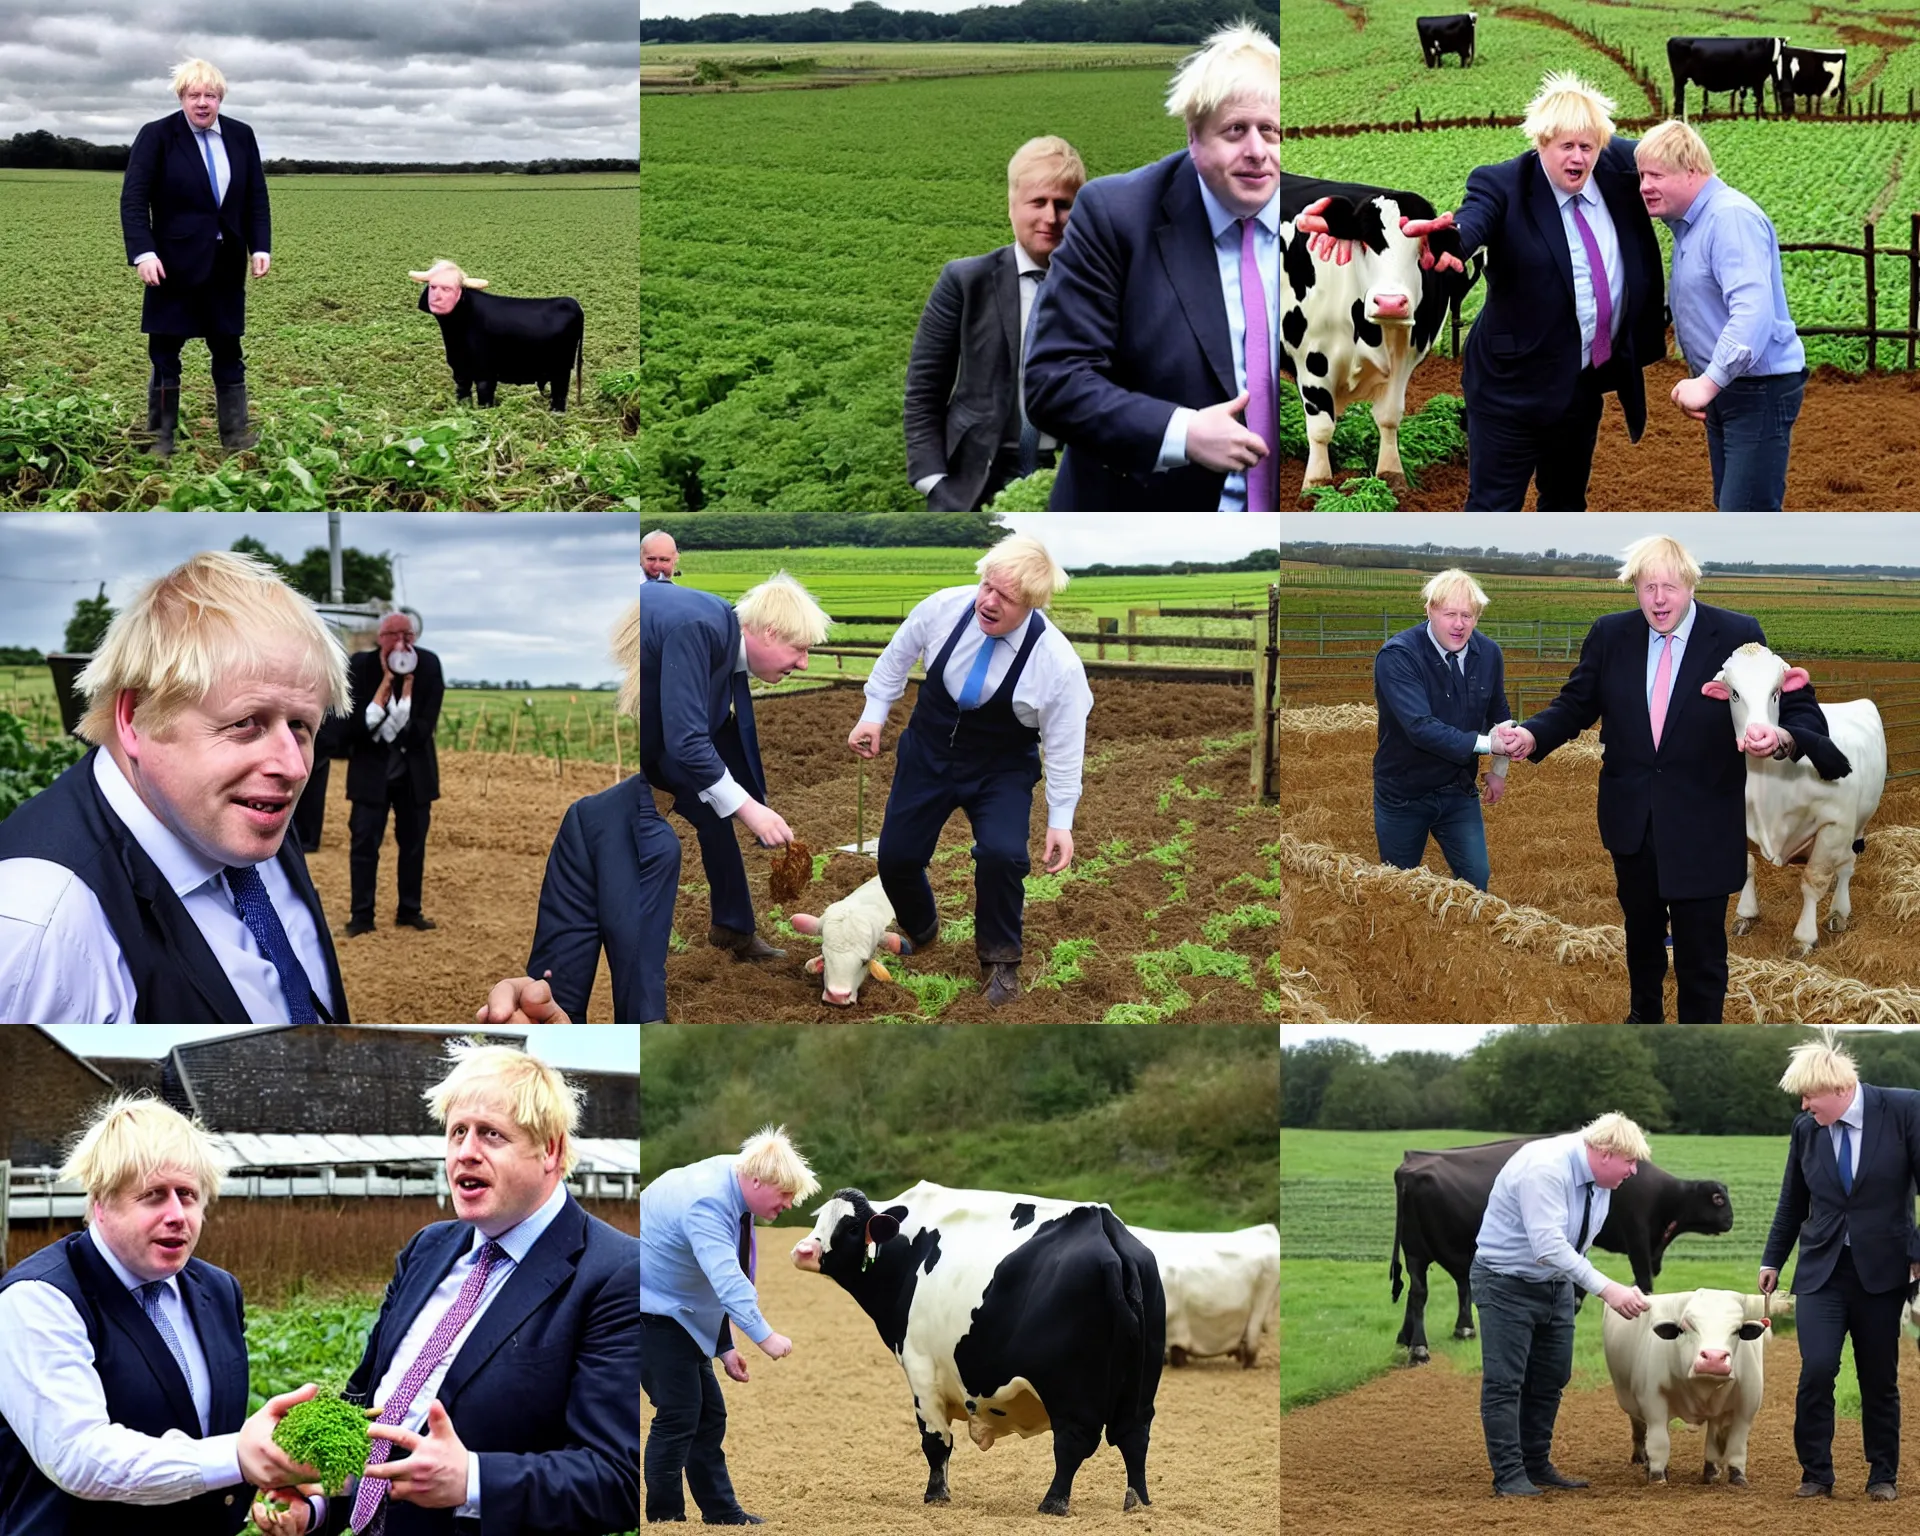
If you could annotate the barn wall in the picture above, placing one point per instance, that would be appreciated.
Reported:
(49, 1097)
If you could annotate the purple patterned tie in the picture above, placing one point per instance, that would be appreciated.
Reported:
(1263, 412)
(369, 1504)
(1602, 294)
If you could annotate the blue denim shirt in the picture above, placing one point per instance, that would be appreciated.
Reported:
(1729, 300)
(690, 1253)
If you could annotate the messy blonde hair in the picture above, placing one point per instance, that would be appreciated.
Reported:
(1658, 552)
(545, 1105)
(1614, 1132)
(203, 624)
(784, 609)
(1237, 61)
(1445, 586)
(134, 1137)
(1675, 145)
(1819, 1065)
(768, 1156)
(1568, 105)
(1049, 160)
(198, 72)
(1036, 576)
(626, 651)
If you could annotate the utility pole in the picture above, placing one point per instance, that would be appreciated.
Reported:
(335, 588)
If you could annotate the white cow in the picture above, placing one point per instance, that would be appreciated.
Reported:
(1793, 815)
(1221, 1289)
(853, 936)
(1697, 1356)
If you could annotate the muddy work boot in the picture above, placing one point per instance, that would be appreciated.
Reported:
(163, 417)
(231, 400)
(743, 946)
(1001, 981)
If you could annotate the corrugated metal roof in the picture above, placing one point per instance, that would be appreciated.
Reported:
(246, 1150)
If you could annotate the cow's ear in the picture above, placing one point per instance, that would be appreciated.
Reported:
(805, 922)
(1797, 677)
(882, 1228)
(1713, 688)
(1752, 1331)
(877, 971)
(1667, 1330)
(816, 965)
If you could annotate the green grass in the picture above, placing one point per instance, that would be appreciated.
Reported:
(1061, 968)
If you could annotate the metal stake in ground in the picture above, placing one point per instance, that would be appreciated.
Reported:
(860, 843)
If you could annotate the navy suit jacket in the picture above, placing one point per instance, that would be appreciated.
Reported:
(1692, 789)
(1130, 323)
(1523, 353)
(689, 646)
(167, 207)
(1427, 730)
(367, 758)
(963, 377)
(543, 1389)
(1876, 1219)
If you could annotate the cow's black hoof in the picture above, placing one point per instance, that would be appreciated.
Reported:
(1419, 1355)
(1464, 1333)
(1134, 1500)
(1655, 1477)
(1177, 1356)
(942, 1497)
(1053, 1506)
(1736, 1478)
(1709, 1473)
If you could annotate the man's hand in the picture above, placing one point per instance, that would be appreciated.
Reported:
(864, 739)
(1515, 741)
(1323, 245)
(1770, 1279)
(1059, 849)
(290, 1517)
(429, 1470)
(1419, 229)
(1628, 1301)
(1494, 788)
(1217, 441)
(522, 1000)
(151, 272)
(1694, 396)
(262, 1462)
(261, 261)
(734, 1366)
(776, 1346)
(768, 829)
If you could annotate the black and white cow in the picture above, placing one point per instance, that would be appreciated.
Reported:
(1440, 1199)
(1441, 35)
(1732, 64)
(1813, 73)
(1013, 1313)
(1356, 331)
(491, 339)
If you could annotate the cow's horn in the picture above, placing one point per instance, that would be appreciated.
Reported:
(473, 282)
(419, 277)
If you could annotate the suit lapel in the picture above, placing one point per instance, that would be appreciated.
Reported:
(1543, 206)
(547, 1265)
(1872, 1133)
(185, 941)
(122, 1310)
(1186, 251)
(426, 1272)
(293, 864)
(225, 1406)
(1006, 293)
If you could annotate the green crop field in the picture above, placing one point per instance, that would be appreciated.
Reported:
(349, 382)
(1337, 1317)
(762, 66)
(775, 336)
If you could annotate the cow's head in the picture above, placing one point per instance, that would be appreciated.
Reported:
(852, 933)
(1751, 682)
(1712, 1334)
(444, 281)
(847, 1236)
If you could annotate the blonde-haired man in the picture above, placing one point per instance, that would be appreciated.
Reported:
(1548, 1204)
(967, 428)
(697, 1267)
(154, 881)
(1847, 1199)
(1158, 325)
(1439, 689)
(1673, 786)
(193, 209)
(123, 1358)
(1002, 685)
(504, 1355)
(697, 735)
(1730, 316)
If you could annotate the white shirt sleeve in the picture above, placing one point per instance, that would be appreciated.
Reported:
(725, 795)
(59, 960)
(888, 679)
(1173, 447)
(52, 1399)
(1062, 715)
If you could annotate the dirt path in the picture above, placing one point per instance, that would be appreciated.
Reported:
(1561, 24)
(825, 1442)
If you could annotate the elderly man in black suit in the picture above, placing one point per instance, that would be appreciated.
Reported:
(967, 427)
(397, 692)
(193, 212)
(1673, 784)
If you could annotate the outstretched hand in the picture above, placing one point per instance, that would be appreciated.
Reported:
(1514, 741)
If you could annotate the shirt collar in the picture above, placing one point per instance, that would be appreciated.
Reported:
(213, 127)
(1582, 1168)
(1589, 194)
(1853, 1116)
(1444, 652)
(1708, 190)
(1681, 631)
(1022, 262)
(518, 1240)
(120, 1271)
(182, 866)
(1220, 217)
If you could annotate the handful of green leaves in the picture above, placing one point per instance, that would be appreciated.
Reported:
(329, 1434)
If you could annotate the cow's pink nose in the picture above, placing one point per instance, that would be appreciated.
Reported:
(1392, 304)
(1713, 1360)
(838, 1000)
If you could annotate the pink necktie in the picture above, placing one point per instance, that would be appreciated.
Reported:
(1602, 301)
(1263, 400)
(369, 1504)
(1662, 682)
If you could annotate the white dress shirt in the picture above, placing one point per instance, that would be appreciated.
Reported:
(52, 1398)
(1051, 697)
(61, 964)
(1023, 264)
(1594, 208)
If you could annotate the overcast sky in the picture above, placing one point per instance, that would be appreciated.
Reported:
(1145, 538)
(1841, 538)
(1455, 1039)
(442, 80)
(651, 8)
(585, 1047)
(501, 596)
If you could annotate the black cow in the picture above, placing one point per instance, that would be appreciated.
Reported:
(1813, 72)
(1447, 34)
(492, 339)
(1013, 1313)
(1440, 1199)
(1731, 64)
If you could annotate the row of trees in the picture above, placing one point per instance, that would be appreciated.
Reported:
(1031, 21)
(1710, 1081)
(865, 530)
(1263, 560)
(44, 151)
(1548, 562)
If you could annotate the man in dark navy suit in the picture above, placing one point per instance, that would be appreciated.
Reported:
(193, 213)
(1158, 324)
(123, 1358)
(1847, 1199)
(392, 766)
(1673, 784)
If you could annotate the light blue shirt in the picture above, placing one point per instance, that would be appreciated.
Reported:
(1729, 300)
(1855, 1120)
(1594, 207)
(1681, 633)
(173, 1306)
(690, 1253)
(222, 168)
(1533, 1214)
(1224, 225)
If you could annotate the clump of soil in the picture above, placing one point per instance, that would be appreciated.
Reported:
(792, 872)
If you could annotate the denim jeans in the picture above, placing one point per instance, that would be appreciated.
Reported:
(1526, 1358)
(1749, 432)
(1401, 825)
(689, 1424)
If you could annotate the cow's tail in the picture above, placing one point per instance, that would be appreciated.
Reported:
(1393, 1268)
(580, 362)
(1137, 1306)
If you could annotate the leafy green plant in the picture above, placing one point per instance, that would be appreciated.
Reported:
(329, 1434)
(1223, 925)
(1355, 495)
(27, 767)
(1062, 966)
(1029, 494)
(933, 992)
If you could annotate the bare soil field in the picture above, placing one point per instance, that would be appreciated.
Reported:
(825, 1440)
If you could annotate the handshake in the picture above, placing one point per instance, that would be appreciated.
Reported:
(1510, 740)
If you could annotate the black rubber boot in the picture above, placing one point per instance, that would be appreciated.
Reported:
(163, 417)
(232, 407)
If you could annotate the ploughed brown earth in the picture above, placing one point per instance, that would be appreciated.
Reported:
(1856, 448)
(1405, 1454)
(486, 856)
(1140, 738)
(825, 1441)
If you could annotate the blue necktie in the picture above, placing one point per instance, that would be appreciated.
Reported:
(150, 1304)
(1846, 1158)
(256, 911)
(213, 176)
(976, 681)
